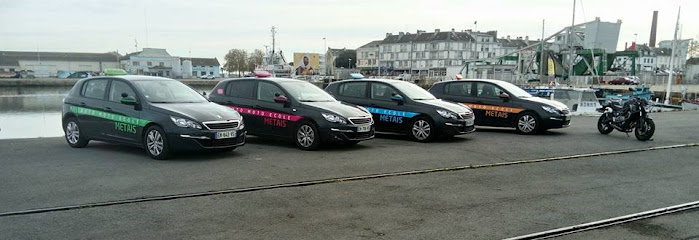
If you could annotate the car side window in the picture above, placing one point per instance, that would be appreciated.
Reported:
(118, 89)
(383, 92)
(241, 89)
(353, 89)
(458, 89)
(95, 88)
(267, 91)
(488, 90)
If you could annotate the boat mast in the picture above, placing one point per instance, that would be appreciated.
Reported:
(672, 58)
(570, 39)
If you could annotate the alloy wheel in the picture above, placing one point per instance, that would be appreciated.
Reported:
(154, 141)
(305, 136)
(72, 132)
(526, 123)
(421, 129)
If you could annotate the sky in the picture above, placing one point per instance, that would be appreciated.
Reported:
(210, 28)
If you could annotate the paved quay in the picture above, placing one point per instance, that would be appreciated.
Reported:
(481, 203)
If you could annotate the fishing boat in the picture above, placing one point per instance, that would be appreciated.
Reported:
(642, 92)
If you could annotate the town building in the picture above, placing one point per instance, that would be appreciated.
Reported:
(682, 48)
(203, 67)
(647, 60)
(49, 64)
(330, 55)
(368, 58)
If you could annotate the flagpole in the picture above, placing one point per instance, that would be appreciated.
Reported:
(672, 58)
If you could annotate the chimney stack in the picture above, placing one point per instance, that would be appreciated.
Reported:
(436, 30)
(653, 29)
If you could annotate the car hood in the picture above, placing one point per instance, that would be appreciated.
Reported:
(544, 101)
(439, 103)
(201, 112)
(340, 108)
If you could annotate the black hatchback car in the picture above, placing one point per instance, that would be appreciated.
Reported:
(403, 107)
(502, 104)
(294, 109)
(161, 115)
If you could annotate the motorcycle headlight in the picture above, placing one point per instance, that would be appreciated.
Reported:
(551, 110)
(185, 123)
(447, 114)
(334, 118)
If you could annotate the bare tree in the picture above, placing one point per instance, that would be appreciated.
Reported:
(694, 47)
(255, 59)
(236, 60)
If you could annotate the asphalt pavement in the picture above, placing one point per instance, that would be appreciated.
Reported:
(481, 203)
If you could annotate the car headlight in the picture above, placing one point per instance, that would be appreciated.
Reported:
(242, 124)
(185, 123)
(551, 110)
(447, 114)
(334, 118)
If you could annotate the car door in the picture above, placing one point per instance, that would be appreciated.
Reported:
(125, 119)
(277, 119)
(90, 108)
(389, 115)
(239, 95)
(490, 109)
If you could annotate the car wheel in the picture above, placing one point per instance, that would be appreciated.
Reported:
(422, 129)
(156, 143)
(306, 136)
(527, 123)
(72, 132)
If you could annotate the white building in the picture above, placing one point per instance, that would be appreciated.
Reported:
(152, 62)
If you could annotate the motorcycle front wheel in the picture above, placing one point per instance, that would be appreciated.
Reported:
(645, 129)
(604, 124)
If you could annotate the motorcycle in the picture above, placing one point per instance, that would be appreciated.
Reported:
(631, 116)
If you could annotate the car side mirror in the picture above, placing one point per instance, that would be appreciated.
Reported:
(203, 93)
(397, 98)
(129, 101)
(281, 99)
(504, 96)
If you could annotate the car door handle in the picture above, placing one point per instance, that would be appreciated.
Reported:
(108, 109)
(373, 105)
(82, 104)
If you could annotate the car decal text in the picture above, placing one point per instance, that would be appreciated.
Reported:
(121, 123)
(389, 115)
(274, 119)
(495, 111)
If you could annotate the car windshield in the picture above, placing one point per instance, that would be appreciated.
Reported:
(168, 91)
(413, 91)
(514, 90)
(306, 92)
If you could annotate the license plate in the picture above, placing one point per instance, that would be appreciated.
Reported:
(227, 134)
(365, 128)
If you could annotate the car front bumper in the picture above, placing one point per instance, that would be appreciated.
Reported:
(204, 140)
(457, 128)
(560, 121)
(346, 133)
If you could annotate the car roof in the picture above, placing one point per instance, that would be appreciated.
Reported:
(493, 81)
(134, 78)
(371, 80)
(278, 80)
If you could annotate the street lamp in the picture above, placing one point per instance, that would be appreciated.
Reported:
(635, 35)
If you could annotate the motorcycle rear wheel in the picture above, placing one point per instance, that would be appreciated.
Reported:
(645, 128)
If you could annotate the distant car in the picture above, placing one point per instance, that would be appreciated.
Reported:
(501, 104)
(210, 76)
(80, 75)
(630, 80)
(158, 114)
(403, 107)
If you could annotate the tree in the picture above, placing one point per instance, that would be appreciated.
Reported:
(694, 47)
(343, 59)
(255, 59)
(236, 60)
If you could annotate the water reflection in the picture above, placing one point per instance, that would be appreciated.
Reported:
(30, 112)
